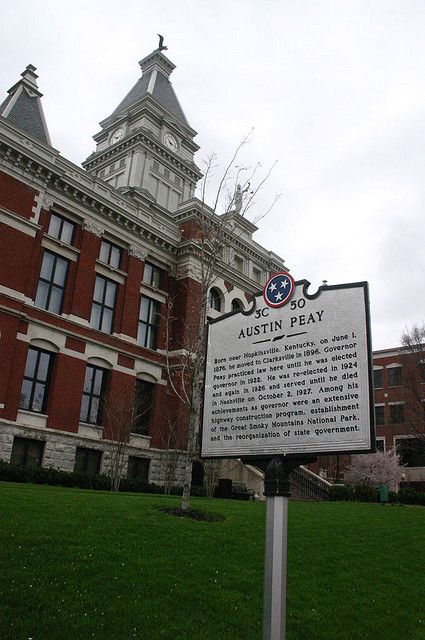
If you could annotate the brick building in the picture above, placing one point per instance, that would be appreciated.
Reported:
(399, 397)
(90, 259)
(399, 382)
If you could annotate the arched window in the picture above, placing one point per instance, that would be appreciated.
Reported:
(236, 305)
(215, 300)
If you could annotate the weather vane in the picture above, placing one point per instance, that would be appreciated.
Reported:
(161, 46)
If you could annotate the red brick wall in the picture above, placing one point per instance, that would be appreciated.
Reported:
(85, 276)
(16, 196)
(131, 292)
(13, 354)
(18, 251)
(119, 400)
(66, 388)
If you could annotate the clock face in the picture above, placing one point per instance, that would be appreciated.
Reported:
(116, 137)
(170, 142)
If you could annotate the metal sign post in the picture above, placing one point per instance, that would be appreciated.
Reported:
(277, 491)
(275, 562)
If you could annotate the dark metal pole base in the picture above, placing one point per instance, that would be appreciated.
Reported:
(277, 472)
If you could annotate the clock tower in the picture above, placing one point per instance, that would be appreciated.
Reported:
(146, 146)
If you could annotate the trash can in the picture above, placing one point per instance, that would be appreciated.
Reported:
(383, 493)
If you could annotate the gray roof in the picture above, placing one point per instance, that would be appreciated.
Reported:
(160, 89)
(22, 107)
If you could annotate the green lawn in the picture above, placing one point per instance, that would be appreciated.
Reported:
(78, 565)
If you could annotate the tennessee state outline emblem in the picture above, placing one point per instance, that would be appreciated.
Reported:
(278, 290)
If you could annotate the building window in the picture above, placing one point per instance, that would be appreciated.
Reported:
(142, 407)
(397, 413)
(102, 311)
(380, 446)
(138, 468)
(61, 228)
(153, 275)
(35, 385)
(236, 305)
(377, 379)
(394, 376)
(110, 254)
(93, 392)
(148, 323)
(411, 451)
(422, 370)
(379, 415)
(51, 284)
(27, 452)
(214, 300)
(87, 461)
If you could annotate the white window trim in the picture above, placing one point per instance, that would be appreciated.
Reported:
(154, 294)
(109, 272)
(60, 248)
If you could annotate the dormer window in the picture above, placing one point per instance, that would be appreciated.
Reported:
(61, 228)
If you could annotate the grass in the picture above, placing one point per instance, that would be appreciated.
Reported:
(78, 565)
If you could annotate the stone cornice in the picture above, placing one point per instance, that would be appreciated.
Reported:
(195, 209)
(190, 254)
(44, 168)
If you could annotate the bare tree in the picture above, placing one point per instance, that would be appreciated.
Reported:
(215, 227)
(122, 415)
(333, 466)
(413, 379)
(211, 476)
(171, 442)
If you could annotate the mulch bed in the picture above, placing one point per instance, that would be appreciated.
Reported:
(194, 514)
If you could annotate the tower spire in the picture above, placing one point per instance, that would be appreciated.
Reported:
(23, 106)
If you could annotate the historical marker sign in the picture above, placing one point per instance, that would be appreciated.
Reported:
(292, 376)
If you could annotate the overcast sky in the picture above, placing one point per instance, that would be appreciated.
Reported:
(334, 89)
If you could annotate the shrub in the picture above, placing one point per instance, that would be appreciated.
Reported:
(340, 492)
(411, 496)
(48, 475)
(137, 485)
(365, 493)
(359, 492)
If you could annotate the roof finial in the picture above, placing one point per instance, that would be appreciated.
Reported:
(161, 46)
